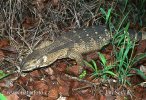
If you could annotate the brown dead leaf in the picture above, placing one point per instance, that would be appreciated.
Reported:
(79, 97)
(71, 98)
(53, 78)
(41, 86)
(120, 98)
(53, 94)
(141, 48)
(40, 4)
(54, 3)
(107, 56)
(29, 22)
(91, 56)
(35, 73)
(36, 97)
(75, 70)
(84, 96)
(64, 90)
(102, 97)
(74, 84)
(9, 49)
(22, 80)
(12, 97)
(49, 70)
(140, 93)
(4, 43)
(61, 67)
(110, 97)
(3, 84)
(61, 82)
(1, 55)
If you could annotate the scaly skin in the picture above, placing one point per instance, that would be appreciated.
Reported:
(69, 45)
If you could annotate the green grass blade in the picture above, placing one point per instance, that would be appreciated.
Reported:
(126, 2)
(127, 27)
(102, 58)
(94, 65)
(123, 21)
(120, 39)
(88, 64)
(140, 73)
(110, 73)
(3, 75)
(128, 82)
(103, 11)
(138, 58)
(95, 74)
(130, 75)
(108, 15)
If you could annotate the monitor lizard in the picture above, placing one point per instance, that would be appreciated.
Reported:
(70, 45)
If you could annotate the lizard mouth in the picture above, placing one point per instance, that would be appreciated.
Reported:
(32, 66)
(28, 68)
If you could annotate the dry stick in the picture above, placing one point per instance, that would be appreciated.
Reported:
(22, 38)
(37, 29)
(81, 88)
(81, 80)
(40, 37)
(76, 17)
(85, 81)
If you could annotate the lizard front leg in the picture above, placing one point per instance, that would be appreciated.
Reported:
(76, 56)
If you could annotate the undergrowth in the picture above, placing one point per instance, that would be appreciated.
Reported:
(123, 48)
(124, 61)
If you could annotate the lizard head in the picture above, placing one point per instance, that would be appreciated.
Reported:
(34, 63)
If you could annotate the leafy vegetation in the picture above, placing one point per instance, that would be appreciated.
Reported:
(106, 68)
(124, 60)
(123, 47)
(83, 74)
(106, 15)
(3, 75)
(2, 97)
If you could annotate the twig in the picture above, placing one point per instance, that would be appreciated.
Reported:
(81, 80)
